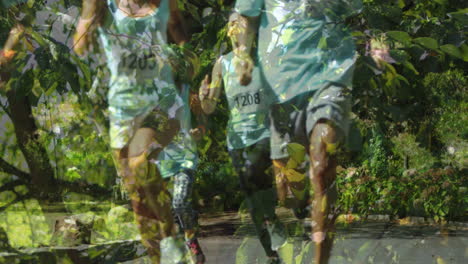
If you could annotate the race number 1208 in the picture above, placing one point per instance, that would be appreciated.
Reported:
(247, 99)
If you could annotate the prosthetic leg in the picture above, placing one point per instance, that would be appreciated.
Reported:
(185, 216)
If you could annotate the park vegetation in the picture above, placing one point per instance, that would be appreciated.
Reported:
(407, 153)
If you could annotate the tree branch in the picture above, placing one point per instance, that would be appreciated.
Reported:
(11, 185)
(94, 190)
(18, 198)
(10, 169)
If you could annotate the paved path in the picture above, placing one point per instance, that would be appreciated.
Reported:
(368, 242)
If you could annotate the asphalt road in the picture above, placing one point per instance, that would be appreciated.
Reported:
(368, 242)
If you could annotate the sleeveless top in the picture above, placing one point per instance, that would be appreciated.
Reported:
(138, 60)
(248, 121)
(141, 79)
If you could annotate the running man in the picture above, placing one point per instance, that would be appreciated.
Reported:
(307, 56)
(248, 142)
(146, 108)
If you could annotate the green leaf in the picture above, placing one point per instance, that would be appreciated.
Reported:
(461, 15)
(358, 34)
(296, 152)
(373, 84)
(37, 89)
(52, 89)
(83, 68)
(441, 2)
(402, 78)
(322, 43)
(464, 51)
(38, 38)
(411, 67)
(426, 42)
(69, 72)
(193, 10)
(452, 50)
(31, 3)
(399, 55)
(401, 3)
(400, 36)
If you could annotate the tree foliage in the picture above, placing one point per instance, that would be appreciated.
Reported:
(410, 109)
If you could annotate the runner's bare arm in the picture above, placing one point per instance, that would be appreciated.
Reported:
(242, 32)
(210, 90)
(92, 14)
(8, 51)
(176, 26)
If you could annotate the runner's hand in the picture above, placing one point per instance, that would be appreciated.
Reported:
(197, 133)
(206, 94)
(14, 38)
(3, 58)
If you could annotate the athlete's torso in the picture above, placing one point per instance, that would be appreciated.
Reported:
(141, 79)
(303, 44)
(248, 105)
(137, 56)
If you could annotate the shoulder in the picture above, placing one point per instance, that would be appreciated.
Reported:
(220, 60)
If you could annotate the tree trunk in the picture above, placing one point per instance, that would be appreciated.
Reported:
(43, 185)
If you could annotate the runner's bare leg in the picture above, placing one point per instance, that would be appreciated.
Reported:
(323, 143)
(151, 201)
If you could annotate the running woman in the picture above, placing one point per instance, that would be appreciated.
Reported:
(145, 106)
(307, 56)
(248, 142)
(178, 161)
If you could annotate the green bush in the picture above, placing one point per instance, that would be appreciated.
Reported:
(411, 153)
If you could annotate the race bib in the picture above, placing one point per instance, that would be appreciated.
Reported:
(141, 63)
(246, 101)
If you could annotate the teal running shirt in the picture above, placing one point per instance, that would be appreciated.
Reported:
(137, 56)
(303, 44)
(248, 121)
(141, 80)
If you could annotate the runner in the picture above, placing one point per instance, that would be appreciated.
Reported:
(307, 56)
(248, 142)
(147, 110)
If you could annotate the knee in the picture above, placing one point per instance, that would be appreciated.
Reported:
(186, 217)
(325, 138)
(142, 140)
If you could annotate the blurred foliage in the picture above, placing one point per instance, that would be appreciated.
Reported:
(410, 111)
